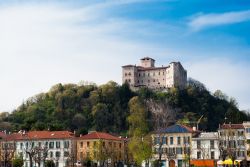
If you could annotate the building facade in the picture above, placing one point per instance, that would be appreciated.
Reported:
(232, 141)
(101, 148)
(173, 145)
(205, 146)
(247, 141)
(36, 147)
(147, 75)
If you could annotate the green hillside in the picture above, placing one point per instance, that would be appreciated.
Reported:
(82, 108)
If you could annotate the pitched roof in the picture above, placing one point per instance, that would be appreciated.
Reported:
(232, 126)
(2, 134)
(36, 135)
(177, 129)
(100, 135)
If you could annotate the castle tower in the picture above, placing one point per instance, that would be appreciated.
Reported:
(147, 62)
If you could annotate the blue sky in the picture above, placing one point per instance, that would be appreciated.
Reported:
(46, 42)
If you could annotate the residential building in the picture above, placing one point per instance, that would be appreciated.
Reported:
(205, 146)
(232, 141)
(35, 147)
(147, 75)
(173, 145)
(247, 141)
(101, 148)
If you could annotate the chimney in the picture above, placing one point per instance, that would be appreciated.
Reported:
(194, 128)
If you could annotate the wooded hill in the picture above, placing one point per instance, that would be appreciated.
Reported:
(82, 108)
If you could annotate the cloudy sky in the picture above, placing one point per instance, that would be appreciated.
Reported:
(47, 42)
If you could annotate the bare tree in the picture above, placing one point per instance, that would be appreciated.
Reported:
(41, 155)
(7, 153)
(163, 115)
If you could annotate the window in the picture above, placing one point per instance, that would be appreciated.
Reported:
(94, 143)
(120, 145)
(171, 140)
(198, 144)
(81, 144)
(156, 140)
(39, 144)
(66, 153)
(178, 140)
(103, 144)
(198, 155)
(66, 144)
(163, 140)
(212, 144)
(51, 154)
(21, 145)
(178, 150)
(57, 144)
(212, 154)
(51, 144)
(87, 144)
(139, 74)
(58, 154)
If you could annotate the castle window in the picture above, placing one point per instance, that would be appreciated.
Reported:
(159, 73)
(148, 74)
(129, 80)
(154, 74)
(141, 81)
(138, 81)
(139, 74)
(125, 74)
(129, 73)
(148, 81)
(144, 74)
(163, 72)
(153, 80)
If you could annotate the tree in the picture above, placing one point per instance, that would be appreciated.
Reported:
(17, 162)
(162, 116)
(139, 145)
(49, 163)
(7, 152)
(41, 155)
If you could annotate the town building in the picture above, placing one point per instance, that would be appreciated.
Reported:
(102, 148)
(232, 141)
(205, 146)
(36, 147)
(147, 75)
(173, 145)
(247, 141)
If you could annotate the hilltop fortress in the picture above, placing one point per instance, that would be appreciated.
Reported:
(147, 75)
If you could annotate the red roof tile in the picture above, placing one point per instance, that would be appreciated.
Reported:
(100, 135)
(232, 126)
(35, 135)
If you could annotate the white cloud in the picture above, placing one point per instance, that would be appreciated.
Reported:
(201, 21)
(230, 77)
(41, 45)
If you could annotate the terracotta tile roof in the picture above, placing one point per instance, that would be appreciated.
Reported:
(2, 135)
(36, 135)
(100, 135)
(13, 137)
(232, 126)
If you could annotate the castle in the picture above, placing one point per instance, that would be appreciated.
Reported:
(147, 75)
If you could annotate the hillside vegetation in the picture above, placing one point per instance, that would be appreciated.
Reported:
(82, 108)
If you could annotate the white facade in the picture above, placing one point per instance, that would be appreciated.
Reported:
(56, 149)
(147, 75)
(232, 139)
(247, 135)
(205, 146)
